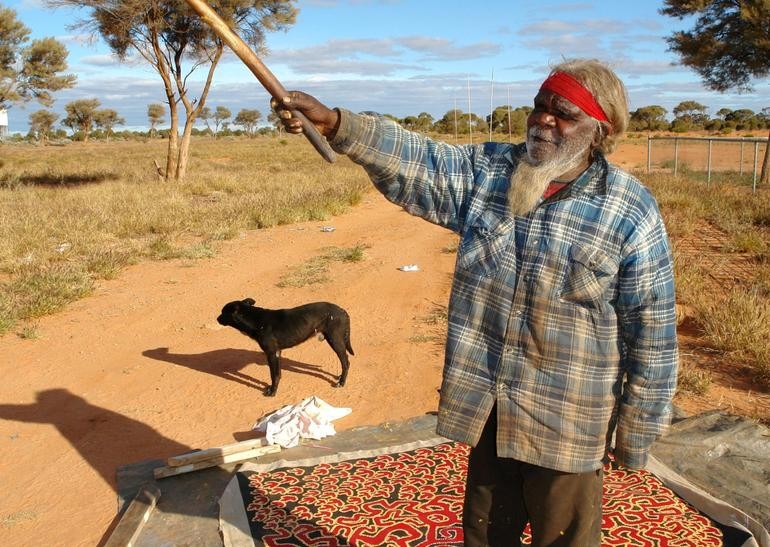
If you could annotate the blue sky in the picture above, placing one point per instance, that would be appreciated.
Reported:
(404, 57)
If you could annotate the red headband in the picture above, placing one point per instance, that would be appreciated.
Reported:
(568, 87)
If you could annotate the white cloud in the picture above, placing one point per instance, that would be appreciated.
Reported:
(440, 49)
(367, 57)
(77, 39)
(100, 60)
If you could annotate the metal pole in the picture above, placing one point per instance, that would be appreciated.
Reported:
(708, 176)
(676, 154)
(756, 153)
(649, 153)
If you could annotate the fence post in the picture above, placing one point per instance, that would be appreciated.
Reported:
(676, 154)
(756, 153)
(708, 176)
(740, 172)
(649, 153)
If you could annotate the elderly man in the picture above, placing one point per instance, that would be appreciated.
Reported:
(561, 318)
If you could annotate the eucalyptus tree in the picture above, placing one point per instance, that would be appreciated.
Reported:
(155, 112)
(29, 70)
(41, 123)
(648, 118)
(691, 114)
(248, 119)
(176, 42)
(107, 119)
(221, 115)
(81, 115)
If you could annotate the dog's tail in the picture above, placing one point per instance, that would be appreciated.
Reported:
(347, 343)
(347, 332)
(347, 335)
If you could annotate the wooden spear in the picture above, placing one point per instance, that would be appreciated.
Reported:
(263, 74)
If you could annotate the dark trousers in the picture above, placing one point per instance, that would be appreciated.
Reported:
(502, 495)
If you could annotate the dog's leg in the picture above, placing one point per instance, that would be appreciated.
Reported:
(338, 345)
(275, 372)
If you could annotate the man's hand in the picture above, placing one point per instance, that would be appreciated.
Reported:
(324, 118)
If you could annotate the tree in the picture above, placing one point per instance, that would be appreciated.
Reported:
(221, 115)
(450, 122)
(31, 71)
(499, 119)
(690, 115)
(409, 122)
(742, 119)
(205, 114)
(168, 34)
(275, 120)
(248, 119)
(41, 123)
(461, 124)
(722, 113)
(728, 45)
(80, 116)
(155, 112)
(424, 122)
(764, 116)
(107, 119)
(648, 118)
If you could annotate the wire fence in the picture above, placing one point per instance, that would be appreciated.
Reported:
(733, 160)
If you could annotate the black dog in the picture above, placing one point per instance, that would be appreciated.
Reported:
(275, 330)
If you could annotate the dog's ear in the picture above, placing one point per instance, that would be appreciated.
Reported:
(249, 301)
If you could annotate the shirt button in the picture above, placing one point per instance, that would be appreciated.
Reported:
(517, 313)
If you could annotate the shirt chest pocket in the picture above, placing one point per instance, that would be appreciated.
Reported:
(483, 244)
(590, 276)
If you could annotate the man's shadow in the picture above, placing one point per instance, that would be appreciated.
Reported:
(109, 441)
(229, 364)
(104, 438)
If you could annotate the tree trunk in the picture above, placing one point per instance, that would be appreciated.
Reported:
(184, 149)
(173, 142)
(764, 177)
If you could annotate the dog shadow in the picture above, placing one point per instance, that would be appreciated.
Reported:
(229, 364)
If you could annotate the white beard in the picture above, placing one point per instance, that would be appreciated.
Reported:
(532, 177)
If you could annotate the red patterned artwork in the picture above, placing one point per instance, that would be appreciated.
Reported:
(415, 499)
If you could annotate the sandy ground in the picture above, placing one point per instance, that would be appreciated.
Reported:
(141, 369)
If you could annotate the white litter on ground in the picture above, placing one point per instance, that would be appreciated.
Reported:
(310, 419)
(409, 268)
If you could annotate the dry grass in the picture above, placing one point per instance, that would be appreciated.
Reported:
(71, 215)
(693, 380)
(736, 321)
(74, 214)
(315, 270)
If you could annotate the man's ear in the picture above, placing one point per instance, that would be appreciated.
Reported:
(249, 301)
(599, 135)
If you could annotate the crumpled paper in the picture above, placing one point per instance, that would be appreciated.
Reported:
(310, 419)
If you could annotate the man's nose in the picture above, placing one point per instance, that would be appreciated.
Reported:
(543, 119)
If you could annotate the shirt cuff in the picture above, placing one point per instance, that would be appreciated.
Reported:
(633, 459)
(348, 127)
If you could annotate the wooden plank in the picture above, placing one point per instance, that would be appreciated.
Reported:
(168, 471)
(133, 520)
(207, 454)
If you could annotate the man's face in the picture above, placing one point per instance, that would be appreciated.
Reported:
(554, 123)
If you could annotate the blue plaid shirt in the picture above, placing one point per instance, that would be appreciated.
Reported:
(564, 316)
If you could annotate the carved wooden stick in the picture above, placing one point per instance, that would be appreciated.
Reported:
(258, 68)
